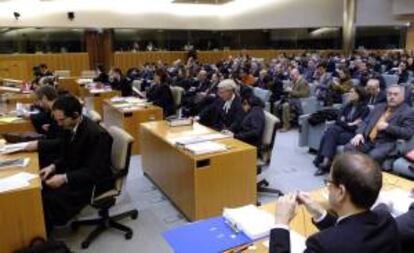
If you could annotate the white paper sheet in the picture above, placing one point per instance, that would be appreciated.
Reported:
(12, 148)
(16, 181)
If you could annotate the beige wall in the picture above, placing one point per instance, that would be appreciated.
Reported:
(403, 7)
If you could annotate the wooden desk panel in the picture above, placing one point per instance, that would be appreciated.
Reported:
(19, 98)
(130, 121)
(200, 186)
(21, 215)
(94, 101)
(70, 85)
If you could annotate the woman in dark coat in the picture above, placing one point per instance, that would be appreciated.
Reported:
(160, 93)
(342, 131)
(252, 126)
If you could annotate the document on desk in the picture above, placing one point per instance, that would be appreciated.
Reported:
(8, 163)
(206, 147)
(16, 181)
(397, 200)
(185, 140)
(13, 148)
(297, 243)
(9, 119)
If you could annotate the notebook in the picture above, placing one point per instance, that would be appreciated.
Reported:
(20, 162)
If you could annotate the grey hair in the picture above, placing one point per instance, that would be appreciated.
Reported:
(400, 87)
(227, 84)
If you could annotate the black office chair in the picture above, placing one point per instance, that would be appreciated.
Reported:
(120, 158)
(272, 123)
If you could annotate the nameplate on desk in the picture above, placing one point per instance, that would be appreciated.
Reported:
(180, 122)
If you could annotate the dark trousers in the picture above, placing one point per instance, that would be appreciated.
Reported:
(405, 225)
(378, 150)
(332, 138)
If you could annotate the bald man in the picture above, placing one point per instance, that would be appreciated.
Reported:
(375, 94)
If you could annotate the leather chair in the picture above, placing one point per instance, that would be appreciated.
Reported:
(272, 123)
(120, 158)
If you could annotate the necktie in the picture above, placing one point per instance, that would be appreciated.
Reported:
(374, 132)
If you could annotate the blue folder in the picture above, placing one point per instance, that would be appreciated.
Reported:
(206, 236)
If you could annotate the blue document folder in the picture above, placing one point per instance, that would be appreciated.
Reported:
(206, 236)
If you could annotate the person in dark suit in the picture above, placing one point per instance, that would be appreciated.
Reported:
(225, 113)
(84, 163)
(119, 82)
(353, 185)
(252, 126)
(386, 124)
(375, 94)
(343, 130)
(160, 93)
(409, 95)
(102, 76)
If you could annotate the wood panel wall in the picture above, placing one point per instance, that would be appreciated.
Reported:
(75, 62)
(409, 45)
(14, 69)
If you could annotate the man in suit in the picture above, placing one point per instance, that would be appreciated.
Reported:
(300, 89)
(353, 185)
(375, 94)
(225, 113)
(84, 164)
(387, 123)
(119, 82)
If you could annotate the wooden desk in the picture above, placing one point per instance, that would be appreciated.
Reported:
(70, 85)
(21, 210)
(21, 125)
(19, 98)
(302, 222)
(200, 186)
(94, 101)
(130, 120)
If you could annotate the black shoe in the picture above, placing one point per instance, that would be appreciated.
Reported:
(320, 172)
(316, 162)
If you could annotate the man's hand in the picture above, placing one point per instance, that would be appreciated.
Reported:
(382, 126)
(47, 171)
(227, 132)
(357, 140)
(46, 127)
(56, 181)
(285, 209)
(31, 146)
(313, 208)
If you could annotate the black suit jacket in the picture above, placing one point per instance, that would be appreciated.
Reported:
(401, 123)
(361, 112)
(252, 126)
(215, 117)
(161, 95)
(368, 232)
(85, 156)
(380, 98)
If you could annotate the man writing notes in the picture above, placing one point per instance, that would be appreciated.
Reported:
(83, 165)
(353, 185)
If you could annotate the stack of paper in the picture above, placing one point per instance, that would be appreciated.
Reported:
(206, 147)
(185, 140)
(255, 228)
(12, 148)
(16, 181)
(9, 119)
(397, 200)
(20, 162)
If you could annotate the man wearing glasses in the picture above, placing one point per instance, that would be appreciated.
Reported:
(354, 184)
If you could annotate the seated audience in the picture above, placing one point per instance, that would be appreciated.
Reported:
(323, 85)
(291, 104)
(119, 82)
(226, 113)
(84, 163)
(409, 94)
(342, 131)
(160, 93)
(386, 124)
(264, 81)
(252, 126)
(341, 85)
(353, 185)
(375, 94)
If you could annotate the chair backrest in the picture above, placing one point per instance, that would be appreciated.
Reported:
(94, 116)
(356, 82)
(269, 132)
(62, 73)
(309, 105)
(88, 74)
(120, 153)
(177, 93)
(262, 94)
(390, 79)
